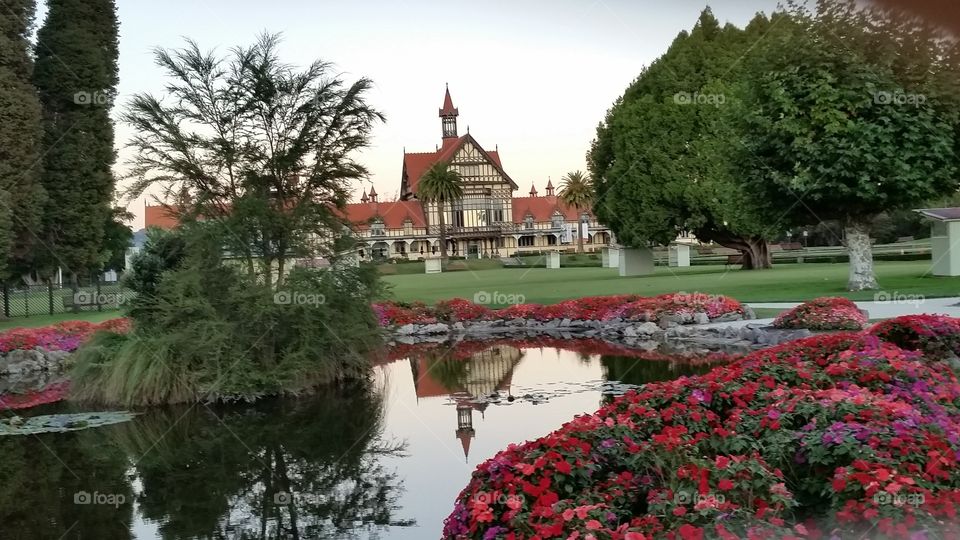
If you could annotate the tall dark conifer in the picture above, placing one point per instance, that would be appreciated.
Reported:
(21, 195)
(76, 75)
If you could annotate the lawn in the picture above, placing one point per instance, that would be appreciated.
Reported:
(785, 282)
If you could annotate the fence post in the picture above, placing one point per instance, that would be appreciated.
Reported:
(99, 303)
(26, 301)
(50, 293)
(6, 300)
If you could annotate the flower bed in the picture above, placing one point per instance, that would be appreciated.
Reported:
(827, 313)
(595, 308)
(840, 435)
(934, 335)
(65, 336)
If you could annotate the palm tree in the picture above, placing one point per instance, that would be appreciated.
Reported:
(441, 184)
(576, 190)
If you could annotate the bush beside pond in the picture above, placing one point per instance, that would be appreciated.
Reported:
(206, 330)
(838, 435)
(827, 313)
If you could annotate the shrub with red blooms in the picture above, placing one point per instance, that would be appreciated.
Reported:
(458, 309)
(827, 313)
(592, 308)
(840, 435)
(934, 335)
(65, 336)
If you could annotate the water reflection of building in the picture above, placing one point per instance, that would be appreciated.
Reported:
(466, 382)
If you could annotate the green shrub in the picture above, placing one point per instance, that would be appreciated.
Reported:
(209, 332)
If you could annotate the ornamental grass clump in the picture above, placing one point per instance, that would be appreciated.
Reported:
(840, 435)
(827, 313)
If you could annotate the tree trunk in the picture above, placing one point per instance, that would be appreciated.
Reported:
(861, 256)
(754, 250)
(579, 237)
(443, 233)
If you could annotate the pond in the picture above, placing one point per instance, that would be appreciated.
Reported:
(384, 460)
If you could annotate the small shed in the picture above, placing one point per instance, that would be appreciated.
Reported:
(944, 240)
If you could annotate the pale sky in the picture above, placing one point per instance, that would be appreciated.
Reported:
(534, 77)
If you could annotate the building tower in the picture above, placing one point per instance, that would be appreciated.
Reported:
(448, 117)
(373, 194)
(549, 188)
(533, 190)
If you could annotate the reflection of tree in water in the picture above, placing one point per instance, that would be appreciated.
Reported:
(40, 476)
(452, 373)
(229, 478)
(641, 371)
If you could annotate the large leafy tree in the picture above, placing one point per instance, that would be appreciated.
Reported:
(76, 76)
(576, 191)
(665, 159)
(261, 148)
(854, 115)
(441, 185)
(21, 195)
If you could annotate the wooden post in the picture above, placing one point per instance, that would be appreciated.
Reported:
(50, 293)
(6, 300)
(99, 303)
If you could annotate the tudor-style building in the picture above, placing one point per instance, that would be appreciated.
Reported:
(487, 222)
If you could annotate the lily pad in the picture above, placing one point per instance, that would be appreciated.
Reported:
(60, 423)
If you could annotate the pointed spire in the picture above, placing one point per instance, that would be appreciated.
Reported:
(533, 190)
(373, 194)
(448, 108)
(465, 443)
(448, 117)
(549, 187)
(364, 199)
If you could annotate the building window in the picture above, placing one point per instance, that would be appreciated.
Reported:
(501, 242)
(458, 218)
(528, 222)
(400, 248)
(408, 227)
(557, 221)
(377, 228)
(551, 240)
(526, 241)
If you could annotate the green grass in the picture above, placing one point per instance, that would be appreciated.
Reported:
(767, 313)
(35, 321)
(785, 282)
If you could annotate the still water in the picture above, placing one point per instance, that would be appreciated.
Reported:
(383, 461)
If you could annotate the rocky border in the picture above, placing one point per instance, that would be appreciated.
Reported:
(673, 331)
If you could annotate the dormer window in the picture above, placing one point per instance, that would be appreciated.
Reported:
(557, 221)
(377, 228)
(528, 222)
(408, 226)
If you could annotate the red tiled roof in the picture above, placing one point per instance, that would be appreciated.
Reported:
(542, 209)
(394, 214)
(160, 216)
(415, 164)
